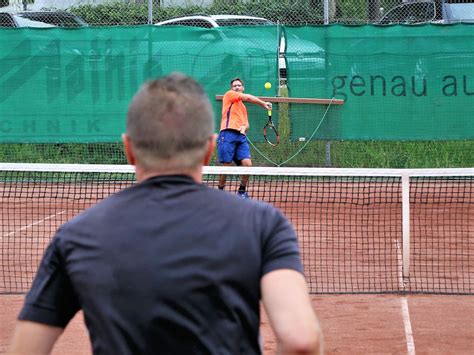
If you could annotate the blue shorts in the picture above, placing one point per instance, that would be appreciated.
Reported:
(232, 146)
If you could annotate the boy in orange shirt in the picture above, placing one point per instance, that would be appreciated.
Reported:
(232, 145)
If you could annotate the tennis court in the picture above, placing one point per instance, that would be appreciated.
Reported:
(372, 293)
(352, 324)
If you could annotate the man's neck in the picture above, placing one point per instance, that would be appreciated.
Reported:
(195, 174)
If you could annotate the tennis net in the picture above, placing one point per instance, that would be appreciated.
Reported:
(360, 230)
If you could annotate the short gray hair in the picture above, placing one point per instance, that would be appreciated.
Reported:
(169, 123)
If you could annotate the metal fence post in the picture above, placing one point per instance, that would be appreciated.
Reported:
(328, 143)
(150, 12)
(328, 154)
(326, 12)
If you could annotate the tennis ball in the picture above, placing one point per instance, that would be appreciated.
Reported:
(268, 85)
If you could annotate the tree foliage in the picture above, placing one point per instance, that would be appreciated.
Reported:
(284, 12)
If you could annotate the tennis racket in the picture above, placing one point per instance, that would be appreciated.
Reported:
(270, 132)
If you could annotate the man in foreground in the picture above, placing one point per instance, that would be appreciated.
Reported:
(233, 146)
(166, 266)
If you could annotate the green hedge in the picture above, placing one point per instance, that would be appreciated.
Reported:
(114, 14)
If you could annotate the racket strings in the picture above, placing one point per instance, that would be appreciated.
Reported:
(271, 135)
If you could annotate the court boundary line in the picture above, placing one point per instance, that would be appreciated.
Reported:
(404, 303)
(32, 224)
(407, 326)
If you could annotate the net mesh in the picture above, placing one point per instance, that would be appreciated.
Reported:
(349, 221)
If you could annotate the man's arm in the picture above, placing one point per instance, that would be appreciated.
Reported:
(34, 338)
(289, 309)
(255, 100)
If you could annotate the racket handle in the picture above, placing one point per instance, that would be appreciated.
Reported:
(269, 112)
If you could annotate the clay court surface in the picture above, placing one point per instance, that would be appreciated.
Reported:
(350, 238)
(352, 324)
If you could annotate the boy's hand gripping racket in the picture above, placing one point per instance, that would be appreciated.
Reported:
(270, 132)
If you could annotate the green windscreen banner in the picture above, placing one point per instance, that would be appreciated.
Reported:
(74, 85)
(397, 82)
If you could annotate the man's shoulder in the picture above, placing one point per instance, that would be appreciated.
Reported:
(95, 215)
(233, 95)
(131, 199)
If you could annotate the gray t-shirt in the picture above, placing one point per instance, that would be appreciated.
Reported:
(167, 266)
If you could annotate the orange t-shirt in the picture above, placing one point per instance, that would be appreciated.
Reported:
(234, 112)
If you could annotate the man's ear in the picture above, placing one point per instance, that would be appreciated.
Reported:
(127, 147)
(210, 149)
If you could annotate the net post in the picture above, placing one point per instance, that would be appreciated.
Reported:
(406, 223)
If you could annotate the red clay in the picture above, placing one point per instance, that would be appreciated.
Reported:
(352, 324)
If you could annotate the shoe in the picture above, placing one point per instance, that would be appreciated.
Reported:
(243, 194)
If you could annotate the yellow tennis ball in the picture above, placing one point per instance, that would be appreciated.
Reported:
(268, 85)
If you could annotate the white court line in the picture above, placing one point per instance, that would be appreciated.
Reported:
(32, 224)
(404, 304)
(407, 324)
